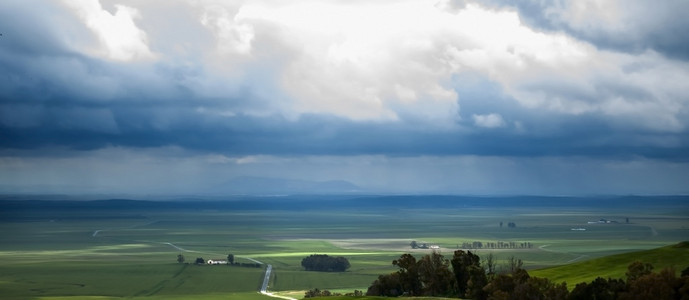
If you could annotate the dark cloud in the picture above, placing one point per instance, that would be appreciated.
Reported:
(322, 135)
(229, 90)
(633, 27)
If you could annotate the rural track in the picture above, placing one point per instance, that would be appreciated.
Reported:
(264, 286)
(581, 256)
(266, 276)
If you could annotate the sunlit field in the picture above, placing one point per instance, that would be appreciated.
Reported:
(123, 249)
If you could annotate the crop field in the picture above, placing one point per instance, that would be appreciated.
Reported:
(114, 249)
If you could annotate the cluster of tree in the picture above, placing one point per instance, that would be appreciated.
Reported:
(248, 265)
(496, 245)
(325, 263)
(415, 245)
(510, 224)
(641, 283)
(230, 261)
(463, 276)
(326, 293)
(198, 261)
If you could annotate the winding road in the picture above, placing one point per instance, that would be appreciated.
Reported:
(266, 276)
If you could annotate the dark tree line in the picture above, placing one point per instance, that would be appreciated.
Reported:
(495, 245)
(325, 263)
(510, 224)
(326, 293)
(230, 261)
(463, 276)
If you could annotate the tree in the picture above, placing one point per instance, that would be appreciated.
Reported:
(638, 269)
(461, 262)
(230, 259)
(490, 265)
(540, 288)
(180, 258)
(318, 293)
(200, 261)
(386, 285)
(435, 275)
(685, 272)
(325, 263)
(500, 287)
(514, 264)
(663, 285)
(408, 274)
(599, 288)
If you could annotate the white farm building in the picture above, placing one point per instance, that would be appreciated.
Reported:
(216, 262)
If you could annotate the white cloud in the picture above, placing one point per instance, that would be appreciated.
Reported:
(233, 37)
(394, 61)
(120, 38)
(375, 61)
(488, 121)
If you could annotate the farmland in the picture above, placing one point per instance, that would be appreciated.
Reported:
(123, 248)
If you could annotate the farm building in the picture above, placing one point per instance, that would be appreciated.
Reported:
(216, 262)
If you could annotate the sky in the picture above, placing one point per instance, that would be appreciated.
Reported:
(491, 97)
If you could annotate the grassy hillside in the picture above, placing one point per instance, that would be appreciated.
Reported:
(615, 266)
(124, 279)
(378, 298)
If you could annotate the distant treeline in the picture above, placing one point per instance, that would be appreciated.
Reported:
(495, 245)
(247, 265)
(34, 203)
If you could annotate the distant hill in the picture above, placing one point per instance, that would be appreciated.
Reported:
(280, 186)
(615, 266)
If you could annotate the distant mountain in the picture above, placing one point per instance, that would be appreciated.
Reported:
(279, 186)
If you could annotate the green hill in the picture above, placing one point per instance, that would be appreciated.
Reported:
(615, 266)
(378, 298)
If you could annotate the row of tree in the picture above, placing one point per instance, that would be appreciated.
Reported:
(464, 276)
(510, 224)
(230, 261)
(326, 293)
(325, 263)
(496, 245)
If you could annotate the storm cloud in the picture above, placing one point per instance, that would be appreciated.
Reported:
(517, 87)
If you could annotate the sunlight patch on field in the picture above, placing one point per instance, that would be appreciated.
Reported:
(78, 298)
(291, 294)
(120, 247)
(294, 254)
(563, 214)
(93, 251)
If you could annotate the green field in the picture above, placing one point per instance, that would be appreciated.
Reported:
(614, 266)
(96, 253)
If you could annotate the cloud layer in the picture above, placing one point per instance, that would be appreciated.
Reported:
(599, 81)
